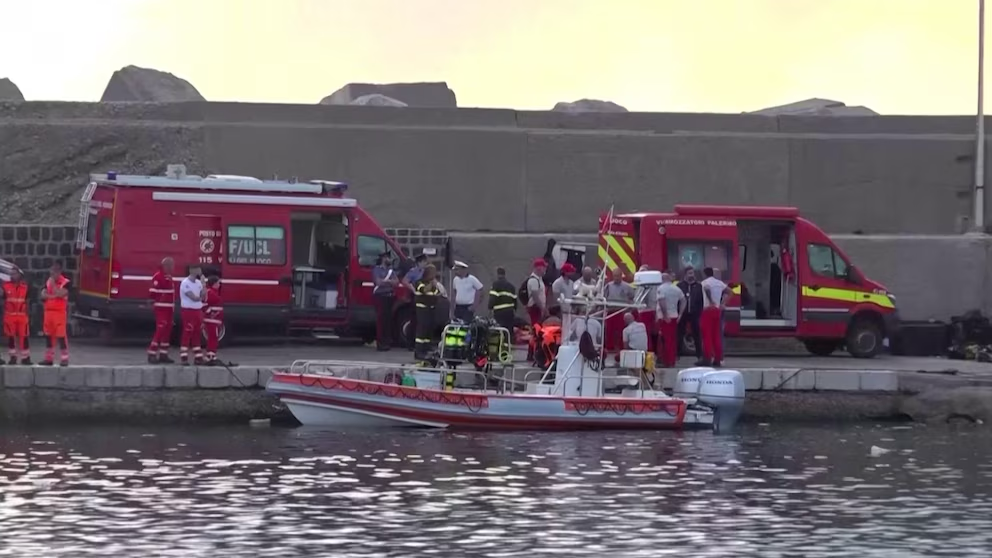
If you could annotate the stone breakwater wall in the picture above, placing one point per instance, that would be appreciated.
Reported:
(154, 394)
(507, 170)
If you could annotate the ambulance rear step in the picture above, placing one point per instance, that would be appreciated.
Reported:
(323, 333)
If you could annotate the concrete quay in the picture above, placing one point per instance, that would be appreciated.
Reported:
(149, 394)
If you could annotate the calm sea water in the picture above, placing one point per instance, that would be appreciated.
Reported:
(767, 491)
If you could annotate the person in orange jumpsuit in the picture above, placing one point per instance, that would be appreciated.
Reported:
(56, 298)
(15, 317)
(213, 318)
(163, 296)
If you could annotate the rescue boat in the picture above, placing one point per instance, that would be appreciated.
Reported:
(335, 394)
(575, 392)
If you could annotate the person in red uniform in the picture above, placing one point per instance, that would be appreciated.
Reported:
(15, 317)
(213, 318)
(163, 297)
(56, 298)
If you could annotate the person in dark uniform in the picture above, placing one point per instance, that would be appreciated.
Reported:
(425, 300)
(503, 301)
(694, 310)
(410, 281)
(385, 281)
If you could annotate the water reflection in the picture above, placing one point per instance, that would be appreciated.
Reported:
(290, 492)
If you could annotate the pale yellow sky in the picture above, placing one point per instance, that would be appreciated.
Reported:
(895, 56)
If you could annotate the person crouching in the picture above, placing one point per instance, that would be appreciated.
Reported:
(213, 318)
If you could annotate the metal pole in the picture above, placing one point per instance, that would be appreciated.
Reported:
(979, 221)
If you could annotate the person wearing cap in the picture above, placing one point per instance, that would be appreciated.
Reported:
(384, 292)
(468, 291)
(503, 301)
(15, 294)
(562, 288)
(410, 280)
(537, 298)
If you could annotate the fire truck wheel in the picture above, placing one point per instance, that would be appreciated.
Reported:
(864, 337)
(821, 347)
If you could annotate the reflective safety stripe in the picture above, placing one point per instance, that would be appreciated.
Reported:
(622, 248)
(422, 340)
(503, 293)
(849, 295)
(419, 305)
(164, 304)
(211, 321)
(502, 306)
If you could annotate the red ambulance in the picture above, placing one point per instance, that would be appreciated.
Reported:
(788, 278)
(292, 256)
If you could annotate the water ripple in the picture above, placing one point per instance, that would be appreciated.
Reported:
(293, 492)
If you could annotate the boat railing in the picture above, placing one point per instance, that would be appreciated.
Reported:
(362, 370)
(560, 388)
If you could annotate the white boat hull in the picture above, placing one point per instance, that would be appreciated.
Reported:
(328, 401)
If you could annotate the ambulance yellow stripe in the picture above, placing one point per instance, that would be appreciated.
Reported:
(848, 295)
(624, 256)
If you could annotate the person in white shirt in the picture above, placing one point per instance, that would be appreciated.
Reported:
(468, 291)
(586, 287)
(671, 306)
(715, 293)
(563, 287)
(191, 297)
(635, 335)
(582, 324)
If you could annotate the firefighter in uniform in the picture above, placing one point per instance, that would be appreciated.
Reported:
(163, 296)
(425, 300)
(15, 317)
(503, 301)
(56, 298)
(213, 318)
(191, 297)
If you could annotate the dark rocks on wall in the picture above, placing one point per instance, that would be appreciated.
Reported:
(426, 94)
(9, 91)
(134, 84)
(588, 105)
(817, 107)
(45, 168)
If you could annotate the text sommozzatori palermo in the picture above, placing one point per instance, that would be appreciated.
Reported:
(698, 222)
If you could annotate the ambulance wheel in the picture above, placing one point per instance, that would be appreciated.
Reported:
(403, 334)
(821, 347)
(864, 338)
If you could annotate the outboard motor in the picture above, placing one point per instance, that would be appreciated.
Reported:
(687, 382)
(724, 391)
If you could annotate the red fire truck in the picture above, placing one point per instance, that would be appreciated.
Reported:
(788, 278)
(292, 256)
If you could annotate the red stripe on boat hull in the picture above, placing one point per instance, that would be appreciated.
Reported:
(490, 422)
